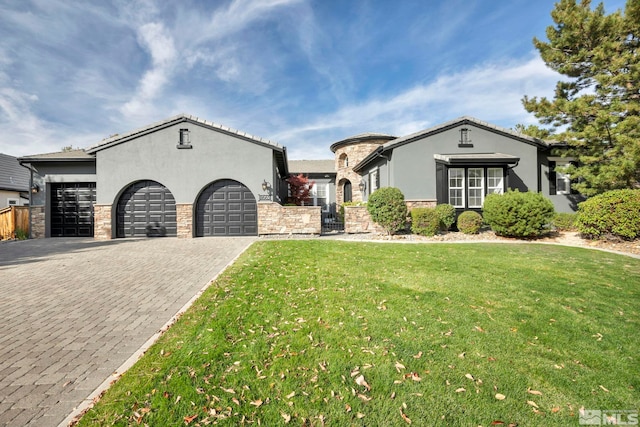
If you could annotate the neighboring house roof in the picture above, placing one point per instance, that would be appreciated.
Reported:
(13, 177)
(464, 120)
(312, 166)
(180, 118)
(360, 138)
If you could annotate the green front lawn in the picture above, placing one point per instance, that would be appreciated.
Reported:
(382, 334)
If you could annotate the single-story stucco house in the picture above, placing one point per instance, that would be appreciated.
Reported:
(458, 162)
(189, 177)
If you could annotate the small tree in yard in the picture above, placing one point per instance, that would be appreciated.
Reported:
(387, 208)
(300, 188)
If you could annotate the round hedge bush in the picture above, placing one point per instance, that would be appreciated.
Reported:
(469, 222)
(614, 214)
(387, 208)
(516, 214)
(447, 215)
(425, 221)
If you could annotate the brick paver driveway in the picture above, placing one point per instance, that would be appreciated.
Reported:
(72, 311)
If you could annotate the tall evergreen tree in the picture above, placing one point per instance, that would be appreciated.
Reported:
(596, 110)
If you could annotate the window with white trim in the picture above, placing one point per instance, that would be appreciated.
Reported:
(475, 185)
(320, 196)
(495, 181)
(563, 180)
(468, 186)
(373, 180)
(456, 187)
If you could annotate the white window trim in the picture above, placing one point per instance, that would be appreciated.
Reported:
(373, 180)
(560, 176)
(469, 187)
(463, 188)
(491, 189)
(314, 196)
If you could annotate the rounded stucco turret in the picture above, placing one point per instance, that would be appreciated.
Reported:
(348, 153)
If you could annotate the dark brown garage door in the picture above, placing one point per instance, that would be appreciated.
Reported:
(146, 208)
(226, 208)
(72, 209)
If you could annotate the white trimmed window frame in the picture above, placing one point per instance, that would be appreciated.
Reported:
(457, 190)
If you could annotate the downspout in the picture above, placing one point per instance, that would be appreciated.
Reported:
(30, 194)
(508, 169)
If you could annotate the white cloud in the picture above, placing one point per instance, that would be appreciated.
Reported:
(491, 92)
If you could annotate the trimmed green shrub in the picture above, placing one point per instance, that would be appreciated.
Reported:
(516, 214)
(447, 215)
(388, 209)
(425, 221)
(614, 214)
(564, 221)
(469, 222)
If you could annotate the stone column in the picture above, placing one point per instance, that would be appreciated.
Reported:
(37, 222)
(184, 219)
(102, 222)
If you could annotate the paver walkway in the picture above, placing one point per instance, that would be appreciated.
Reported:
(72, 311)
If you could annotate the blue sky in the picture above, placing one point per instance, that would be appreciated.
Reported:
(302, 73)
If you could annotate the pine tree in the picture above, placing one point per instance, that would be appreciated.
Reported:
(596, 110)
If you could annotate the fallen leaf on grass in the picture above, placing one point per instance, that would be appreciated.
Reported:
(290, 395)
(360, 415)
(500, 396)
(602, 387)
(555, 409)
(187, 420)
(536, 392)
(364, 398)
(478, 328)
(228, 390)
(461, 355)
(256, 403)
(404, 417)
(347, 407)
(417, 356)
(460, 390)
(399, 366)
(532, 403)
(286, 417)
(362, 382)
(469, 376)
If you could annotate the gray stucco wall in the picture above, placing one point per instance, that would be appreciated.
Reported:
(185, 172)
(413, 164)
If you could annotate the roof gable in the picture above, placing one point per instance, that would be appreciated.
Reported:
(181, 118)
(460, 121)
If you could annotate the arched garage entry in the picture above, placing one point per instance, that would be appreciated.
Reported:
(226, 208)
(146, 208)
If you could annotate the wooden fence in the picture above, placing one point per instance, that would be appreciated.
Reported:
(14, 219)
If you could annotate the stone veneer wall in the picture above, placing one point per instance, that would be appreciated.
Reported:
(355, 152)
(276, 219)
(358, 220)
(102, 222)
(184, 219)
(38, 225)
